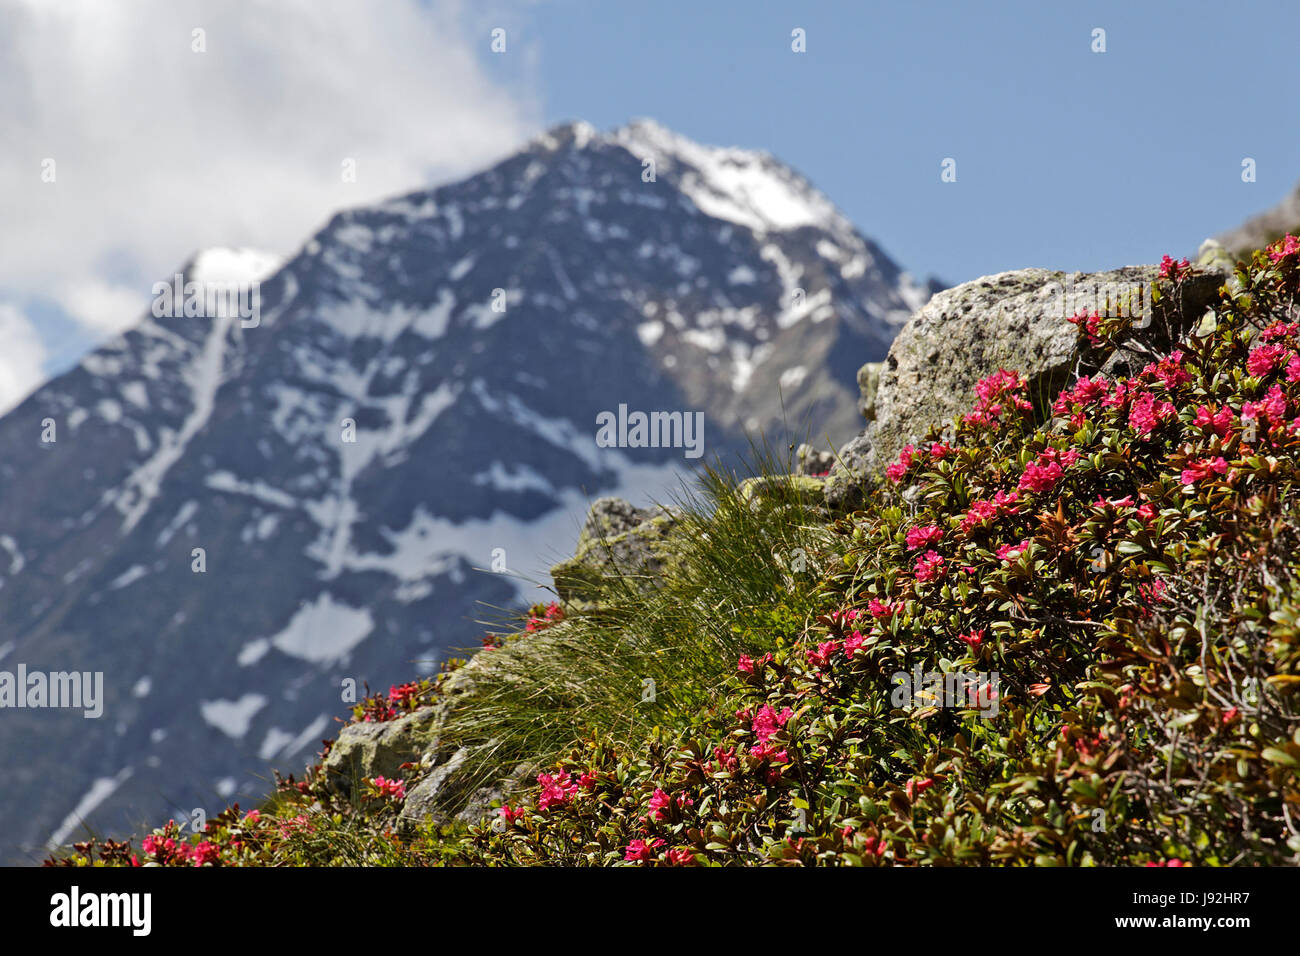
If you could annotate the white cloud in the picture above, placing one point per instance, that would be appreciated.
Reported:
(160, 151)
(22, 357)
(102, 308)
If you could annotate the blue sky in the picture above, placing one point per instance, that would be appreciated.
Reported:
(1065, 158)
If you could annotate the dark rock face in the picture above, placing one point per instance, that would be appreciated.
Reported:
(235, 520)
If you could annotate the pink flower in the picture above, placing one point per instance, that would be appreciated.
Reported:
(726, 758)
(1041, 477)
(769, 752)
(994, 394)
(557, 789)
(1152, 592)
(1279, 330)
(985, 510)
(1273, 408)
(1264, 358)
(923, 537)
(974, 639)
(1147, 512)
(639, 851)
(1085, 392)
(205, 852)
(1171, 269)
(252, 816)
(745, 665)
(1101, 504)
(1012, 552)
(767, 722)
(930, 566)
(1217, 422)
(389, 788)
(940, 450)
(1088, 324)
(880, 609)
(913, 787)
(1286, 246)
(853, 643)
(898, 469)
(660, 801)
(824, 652)
(1199, 470)
(1147, 413)
(1169, 370)
(681, 857)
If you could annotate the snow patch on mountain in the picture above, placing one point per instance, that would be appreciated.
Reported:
(324, 630)
(745, 187)
(225, 265)
(232, 717)
(99, 791)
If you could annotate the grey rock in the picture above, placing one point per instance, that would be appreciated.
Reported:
(1016, 321)
(617, 540)
(813, 462)
(481, 802)
(377, 749)
(438, 794)
(449, 792)
(868, 384)
(853, 475)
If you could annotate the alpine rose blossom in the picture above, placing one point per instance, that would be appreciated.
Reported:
(923, 537)
(1217, 422)
(1147, 412)
(1200, 470)
(930, 566)
(1171, 268)
(1039, 477)
(639, 851)
(1288, 245)
(767, 722)
(1264, 358)
(898, 469)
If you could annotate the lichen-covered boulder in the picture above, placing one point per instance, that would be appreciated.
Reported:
(377, 749)
(616, 539)
(1014, 320)
(449, 793)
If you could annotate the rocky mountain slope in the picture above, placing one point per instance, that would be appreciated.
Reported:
(233, 519)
